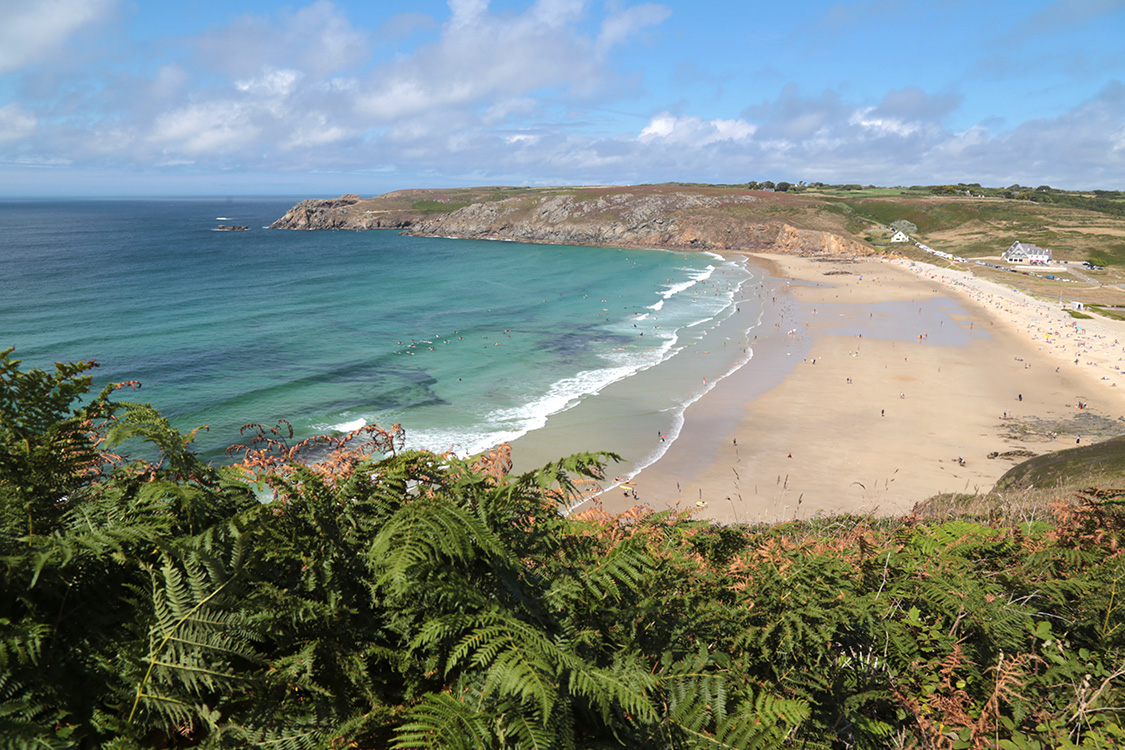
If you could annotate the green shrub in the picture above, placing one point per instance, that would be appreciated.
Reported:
(422, 601)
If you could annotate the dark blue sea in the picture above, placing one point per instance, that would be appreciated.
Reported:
(465, 343)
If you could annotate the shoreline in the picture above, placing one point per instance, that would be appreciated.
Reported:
(921, 366)
(635, 416)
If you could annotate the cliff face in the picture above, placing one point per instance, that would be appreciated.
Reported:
(345, 212)
(651, 216)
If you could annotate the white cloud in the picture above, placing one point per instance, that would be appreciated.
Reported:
(623, 24)
(520, 93)
(693, 131)
(318, 132)
(827, 138)
(794, 116)
(204, 129)
(558, 13)
(866, 119)
(1062, 14)
(16, 123)
(271, 82)
(31, 31)
(318, 40)
(481, 59)
(467, 13)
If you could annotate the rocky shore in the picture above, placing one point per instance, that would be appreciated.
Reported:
(645, 216)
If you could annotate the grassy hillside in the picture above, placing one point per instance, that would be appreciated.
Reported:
(1102, 463)
(1076, 226)
(973, 227)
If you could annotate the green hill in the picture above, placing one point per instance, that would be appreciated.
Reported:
(1100, 463)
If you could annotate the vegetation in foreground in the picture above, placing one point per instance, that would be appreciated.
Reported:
(421, 601)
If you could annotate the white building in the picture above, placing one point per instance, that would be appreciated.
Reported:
(1025, 252)
(899, 237)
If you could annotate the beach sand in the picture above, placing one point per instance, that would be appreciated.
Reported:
(880, 375)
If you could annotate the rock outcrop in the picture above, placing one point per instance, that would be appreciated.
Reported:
(650, 216)
(345, 212)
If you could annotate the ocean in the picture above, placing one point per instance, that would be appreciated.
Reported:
(465, 343)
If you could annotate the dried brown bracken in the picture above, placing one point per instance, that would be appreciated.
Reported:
(267, 452)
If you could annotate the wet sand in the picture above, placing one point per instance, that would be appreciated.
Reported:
(878, 378)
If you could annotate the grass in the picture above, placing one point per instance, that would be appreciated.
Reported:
(437, 207)
(1099, 463)
(869, 192)
(1106, 312)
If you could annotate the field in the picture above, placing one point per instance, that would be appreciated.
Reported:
(978, 227)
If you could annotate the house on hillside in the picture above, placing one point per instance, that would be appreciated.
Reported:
(899, 236)
(1025, 252)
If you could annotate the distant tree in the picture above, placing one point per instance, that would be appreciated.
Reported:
(751, 185)
(904, 226)
(783, 187)
(767, 185)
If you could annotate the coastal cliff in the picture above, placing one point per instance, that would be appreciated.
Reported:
(671, 217)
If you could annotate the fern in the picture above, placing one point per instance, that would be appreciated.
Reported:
(198, 639)
(427, 532)
(444, 722)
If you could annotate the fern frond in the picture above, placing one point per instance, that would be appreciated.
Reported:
(198, 641)
(443, 722)
(427, 532)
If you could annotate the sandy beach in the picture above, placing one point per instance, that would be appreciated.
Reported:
(895, 381)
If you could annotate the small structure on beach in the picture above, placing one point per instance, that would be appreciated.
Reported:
(1025, 252)
(899, 236)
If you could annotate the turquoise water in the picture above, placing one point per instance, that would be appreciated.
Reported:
(465, 343)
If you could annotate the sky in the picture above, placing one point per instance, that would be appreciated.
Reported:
(120, 98)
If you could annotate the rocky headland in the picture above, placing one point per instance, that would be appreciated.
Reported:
(662, 216)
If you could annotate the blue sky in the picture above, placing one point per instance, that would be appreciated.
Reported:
(200, 97)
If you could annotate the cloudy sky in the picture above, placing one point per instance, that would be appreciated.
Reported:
(234, 97)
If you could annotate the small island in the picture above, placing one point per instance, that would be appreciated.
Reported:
(232, 228)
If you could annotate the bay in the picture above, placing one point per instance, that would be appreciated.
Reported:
(466, 343)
